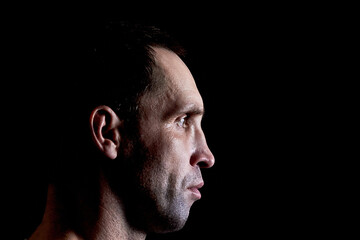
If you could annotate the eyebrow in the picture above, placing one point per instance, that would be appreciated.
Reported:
(189, 109)
(196, 111)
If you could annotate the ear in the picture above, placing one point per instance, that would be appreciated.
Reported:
(104, 127)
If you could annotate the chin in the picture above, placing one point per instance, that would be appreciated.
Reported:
(168, 226)
(170, 221)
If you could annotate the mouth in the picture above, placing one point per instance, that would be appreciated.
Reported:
(194, 189)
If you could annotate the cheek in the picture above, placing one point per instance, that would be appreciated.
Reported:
(177, 148)
(169, 148)
(168, 144)
(170, 156)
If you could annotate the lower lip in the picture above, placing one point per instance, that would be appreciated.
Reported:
(195, 192)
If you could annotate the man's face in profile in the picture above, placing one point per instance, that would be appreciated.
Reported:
(173, 144)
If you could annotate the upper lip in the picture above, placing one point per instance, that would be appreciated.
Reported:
(198, 186)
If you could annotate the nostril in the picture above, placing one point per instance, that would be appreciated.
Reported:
(203, 164)
(202, 160)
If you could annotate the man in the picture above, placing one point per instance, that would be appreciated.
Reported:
(140, 171)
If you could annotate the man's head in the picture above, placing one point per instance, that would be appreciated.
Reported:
(145, 114)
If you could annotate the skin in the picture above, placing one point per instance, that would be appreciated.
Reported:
(148, 183)
(171, 130)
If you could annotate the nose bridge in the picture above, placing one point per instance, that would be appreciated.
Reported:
(203, 155)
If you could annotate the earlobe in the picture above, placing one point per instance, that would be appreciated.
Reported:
(104, 127)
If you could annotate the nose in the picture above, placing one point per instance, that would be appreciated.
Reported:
(202, 155)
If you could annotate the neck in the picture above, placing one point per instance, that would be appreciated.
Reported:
(87, 215)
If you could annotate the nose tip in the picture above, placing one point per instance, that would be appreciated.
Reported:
(210, 160)
(202, 155)
(204, 159)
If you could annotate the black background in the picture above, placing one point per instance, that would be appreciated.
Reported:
(265, 75)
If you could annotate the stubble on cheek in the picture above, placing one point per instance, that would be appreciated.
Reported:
(162, 179)
(164, 184)
(173, 188)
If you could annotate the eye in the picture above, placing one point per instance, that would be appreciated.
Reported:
(182, 122)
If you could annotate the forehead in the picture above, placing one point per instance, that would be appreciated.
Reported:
(178, 87)
(172, 68)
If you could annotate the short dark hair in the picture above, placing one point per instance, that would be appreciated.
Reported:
(120, 62)
(113, 68)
